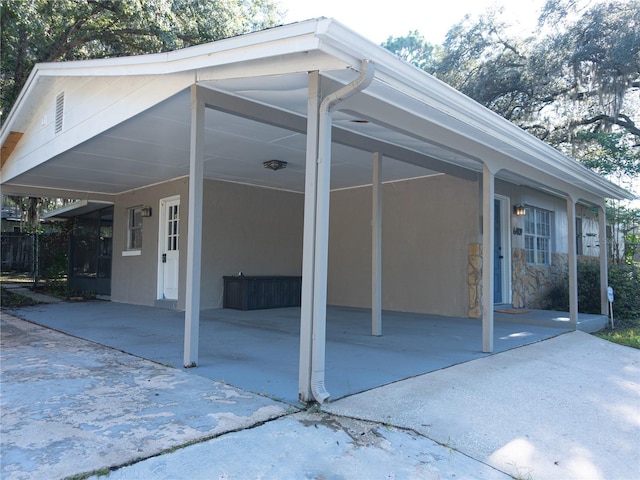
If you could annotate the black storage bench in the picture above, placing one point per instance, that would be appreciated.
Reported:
(242, 292)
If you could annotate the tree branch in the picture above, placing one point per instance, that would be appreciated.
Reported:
(621, 120)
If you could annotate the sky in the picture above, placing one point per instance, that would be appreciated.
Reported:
(432, 18)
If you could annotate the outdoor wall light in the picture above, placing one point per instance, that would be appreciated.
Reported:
(518, 210)
(275, 164)
(145, 212)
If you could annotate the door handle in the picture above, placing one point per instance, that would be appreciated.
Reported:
(164, 258)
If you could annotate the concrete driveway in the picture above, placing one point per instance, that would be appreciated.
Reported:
(564, 408)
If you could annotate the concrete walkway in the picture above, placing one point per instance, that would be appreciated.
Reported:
(25, 290)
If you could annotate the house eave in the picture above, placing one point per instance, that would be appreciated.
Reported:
(330, 47)
(76, 208)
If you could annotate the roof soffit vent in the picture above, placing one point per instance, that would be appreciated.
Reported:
(59, 112)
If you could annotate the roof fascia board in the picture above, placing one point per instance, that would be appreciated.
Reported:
(294, 63)
(456, 141)
(31, 191)
(86, 206)
(275, 42)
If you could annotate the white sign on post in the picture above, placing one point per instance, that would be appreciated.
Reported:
(610, 297)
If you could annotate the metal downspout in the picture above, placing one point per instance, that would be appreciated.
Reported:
(327, 106)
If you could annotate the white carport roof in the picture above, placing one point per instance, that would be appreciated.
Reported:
(93, 129)
(127, 120)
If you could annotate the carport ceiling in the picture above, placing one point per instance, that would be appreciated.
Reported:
(153, 146)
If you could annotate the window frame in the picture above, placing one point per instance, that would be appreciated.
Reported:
(134, 228)
(537, 235)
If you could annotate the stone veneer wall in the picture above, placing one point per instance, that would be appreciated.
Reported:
(475, 280)
(530, 284)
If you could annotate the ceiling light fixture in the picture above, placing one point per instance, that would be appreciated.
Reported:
(274, 164)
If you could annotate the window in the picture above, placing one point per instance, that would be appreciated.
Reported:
(135, 229)
(537, 236)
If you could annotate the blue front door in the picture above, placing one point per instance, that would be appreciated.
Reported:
(498, 256)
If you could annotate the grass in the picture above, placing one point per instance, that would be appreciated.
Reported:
(56, 287)
(627, 332)
(9, 299)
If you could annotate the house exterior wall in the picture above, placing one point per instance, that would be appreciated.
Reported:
(254, 230)
(427, 225)
(135, 278)
(532, 284)
(430, 244)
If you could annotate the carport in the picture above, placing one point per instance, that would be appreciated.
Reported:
(258, 350)
(360, 115)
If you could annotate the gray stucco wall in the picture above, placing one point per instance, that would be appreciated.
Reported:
(254, 230)
(428, 224)
(134, 278)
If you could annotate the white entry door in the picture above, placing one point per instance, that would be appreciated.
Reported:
(169, 248)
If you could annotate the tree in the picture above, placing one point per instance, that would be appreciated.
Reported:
(483, 62)
(579, 72)
(594, 64)
(35, 31)
(414, 49)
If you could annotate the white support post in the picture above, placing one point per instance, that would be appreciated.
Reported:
(320, 248)
(488, 194)
(572, 261)
(604, 264)
(308, 255)
(194, 239)
(376, 247)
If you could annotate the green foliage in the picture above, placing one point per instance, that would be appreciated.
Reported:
(414, 49)
(625, 333)
(10, 299)
(53, 30)
(578, 72)
(53, 250)
(625, 228)
(625, 281)
(609, 153)
(589, 287)
(623, 278)
(481, 61)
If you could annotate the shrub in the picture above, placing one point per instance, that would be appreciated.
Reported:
(623, 278)
(625, 281)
